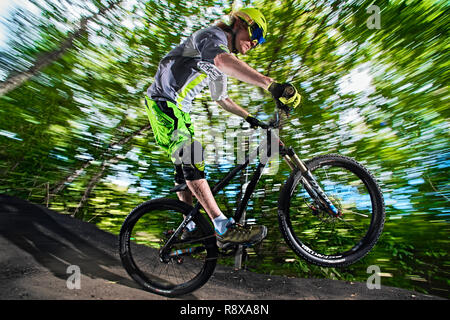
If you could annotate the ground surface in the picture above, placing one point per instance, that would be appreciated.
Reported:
(37, 245)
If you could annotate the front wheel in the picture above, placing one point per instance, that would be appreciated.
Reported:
(320, 237)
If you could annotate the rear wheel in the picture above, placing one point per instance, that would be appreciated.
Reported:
(189, 263)
(320, 237)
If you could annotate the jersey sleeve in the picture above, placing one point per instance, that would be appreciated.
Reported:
(217, 80)
(210, 44)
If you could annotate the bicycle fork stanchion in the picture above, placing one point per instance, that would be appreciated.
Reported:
(309, 182)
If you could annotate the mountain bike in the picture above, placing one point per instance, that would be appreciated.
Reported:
(330, 212)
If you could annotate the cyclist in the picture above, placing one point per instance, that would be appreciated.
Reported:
(206, 58)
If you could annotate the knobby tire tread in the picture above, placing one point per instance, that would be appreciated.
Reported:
(133, 270)
(284, 217)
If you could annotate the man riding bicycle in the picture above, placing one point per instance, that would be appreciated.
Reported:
(206, 58)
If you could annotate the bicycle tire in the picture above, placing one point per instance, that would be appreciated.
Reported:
(299, 242)
(132, 250)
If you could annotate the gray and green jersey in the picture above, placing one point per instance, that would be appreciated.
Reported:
(187, 69)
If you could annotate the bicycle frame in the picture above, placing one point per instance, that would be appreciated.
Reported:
(290, 157)
(266, 145)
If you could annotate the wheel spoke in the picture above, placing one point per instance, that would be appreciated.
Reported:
(351, 226)
(358, 213)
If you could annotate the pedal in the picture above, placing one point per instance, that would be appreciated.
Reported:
(227, 249)
(225, 246)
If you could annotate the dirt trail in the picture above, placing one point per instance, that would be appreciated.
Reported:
(37, 245)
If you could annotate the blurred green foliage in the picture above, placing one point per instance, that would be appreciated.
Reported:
(73, 136)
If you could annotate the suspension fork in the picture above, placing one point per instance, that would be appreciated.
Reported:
(308, 181)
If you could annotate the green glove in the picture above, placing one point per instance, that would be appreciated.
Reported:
(286, 93)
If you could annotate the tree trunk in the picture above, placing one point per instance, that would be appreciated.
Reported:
(62, 183)
(95, 179)
(48, 58)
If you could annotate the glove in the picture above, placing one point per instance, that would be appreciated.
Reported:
(285, 93)
(255, 123)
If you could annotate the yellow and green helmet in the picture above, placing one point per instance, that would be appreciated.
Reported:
(257, 25)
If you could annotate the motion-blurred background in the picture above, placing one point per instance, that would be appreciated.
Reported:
(74, 134)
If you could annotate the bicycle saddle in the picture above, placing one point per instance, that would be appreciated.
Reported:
(180, 187)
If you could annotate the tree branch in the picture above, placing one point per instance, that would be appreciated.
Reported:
(48, 58)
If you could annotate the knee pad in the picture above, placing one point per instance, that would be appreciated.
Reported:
(179, 175)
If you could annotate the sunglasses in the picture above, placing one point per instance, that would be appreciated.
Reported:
(256, 33)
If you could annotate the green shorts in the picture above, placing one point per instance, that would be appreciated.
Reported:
(174, 133)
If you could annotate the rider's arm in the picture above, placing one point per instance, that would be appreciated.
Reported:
(230, 106)
(232, 66)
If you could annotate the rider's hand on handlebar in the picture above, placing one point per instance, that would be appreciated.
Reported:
(254, 123)
(285, 93)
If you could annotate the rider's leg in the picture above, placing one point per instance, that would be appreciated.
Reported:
(185, 196)
(201, 190)
(173, 132)
(191, 157)
(189, 168)
(192, 164)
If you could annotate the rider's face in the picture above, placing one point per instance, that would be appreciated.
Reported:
(243, 41)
